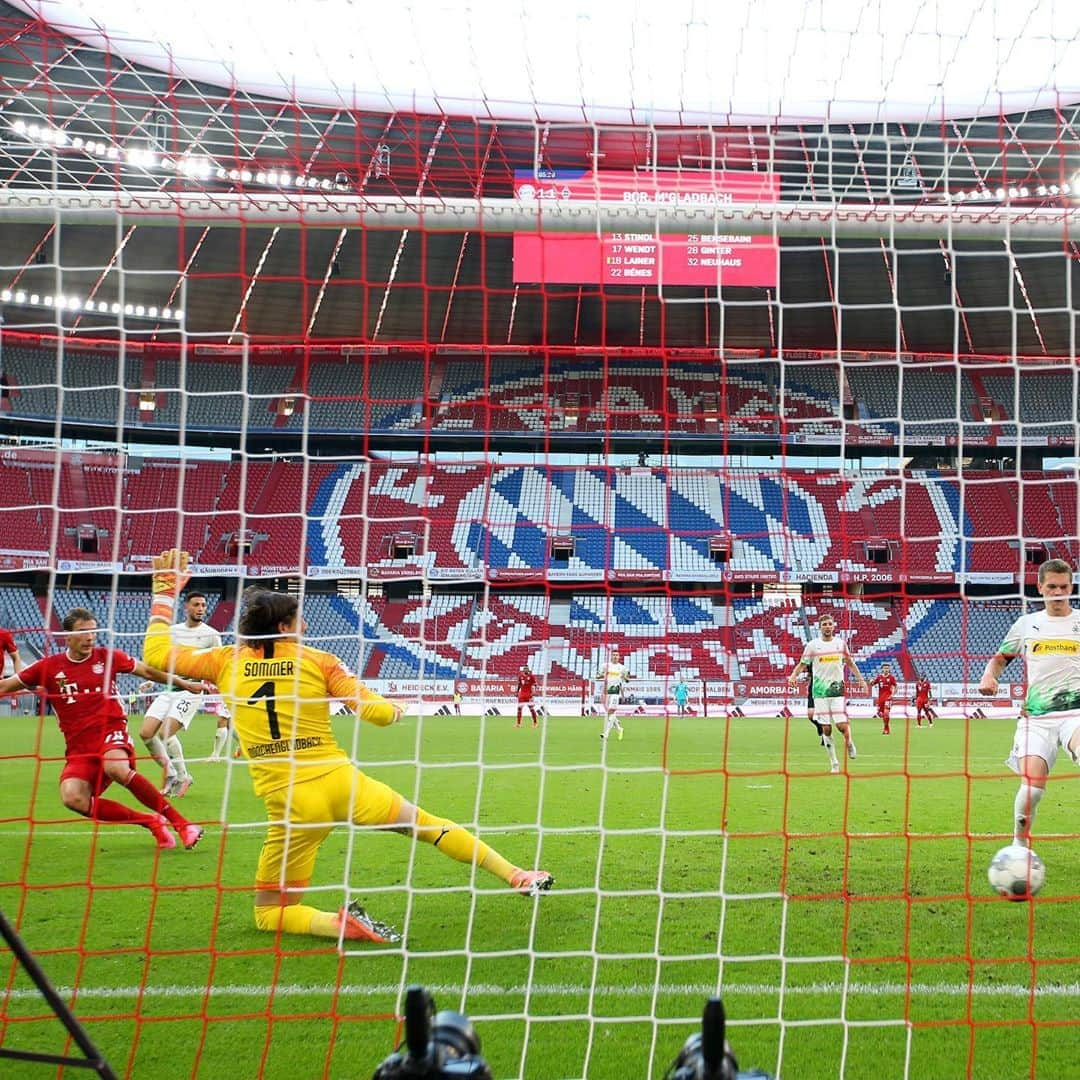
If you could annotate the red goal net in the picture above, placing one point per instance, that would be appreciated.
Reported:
(566, 437)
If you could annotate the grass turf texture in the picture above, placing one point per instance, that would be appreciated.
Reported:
(853, 908)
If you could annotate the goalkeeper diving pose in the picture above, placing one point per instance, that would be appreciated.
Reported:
(279, 692)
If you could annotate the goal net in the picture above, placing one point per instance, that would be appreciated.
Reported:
(565, 437)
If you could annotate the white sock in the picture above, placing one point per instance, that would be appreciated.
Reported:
(176, 755)
(221, 734)
(609, 723)
(1026, 802)
(157, 751)
(832, 750)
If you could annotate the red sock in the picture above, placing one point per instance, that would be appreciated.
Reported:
(519, 714)
(149, 795)
(114, 812)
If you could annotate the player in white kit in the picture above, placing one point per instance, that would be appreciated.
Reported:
(173, 710)
(1049, 642)
(826, 657)
(615, 679)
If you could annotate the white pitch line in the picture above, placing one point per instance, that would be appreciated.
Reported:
(293, 990)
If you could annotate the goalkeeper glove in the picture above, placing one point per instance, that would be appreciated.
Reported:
(170, 576)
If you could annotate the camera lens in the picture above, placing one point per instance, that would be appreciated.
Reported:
(456, 1033)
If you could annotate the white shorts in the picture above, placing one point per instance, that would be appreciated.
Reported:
(178, 705)
(1041, 736)
(613, 700)
(830, 710)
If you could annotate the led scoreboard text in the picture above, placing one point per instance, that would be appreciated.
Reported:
(643, 258)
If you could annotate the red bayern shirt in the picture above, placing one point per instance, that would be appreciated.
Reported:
(922, 690)
(886, 684)
(82, 693)
(7, 643)
(526, 682)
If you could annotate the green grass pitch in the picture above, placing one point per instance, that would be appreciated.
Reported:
(847, 919)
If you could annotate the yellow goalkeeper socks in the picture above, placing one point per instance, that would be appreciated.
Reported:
(297, 919)
(460, 844)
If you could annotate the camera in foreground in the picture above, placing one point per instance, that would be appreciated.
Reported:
(436, 1045)
(446, 1045)
(709, 1056)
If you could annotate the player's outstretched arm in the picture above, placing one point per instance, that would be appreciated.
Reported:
(171, 574)
(796, 671)
(369, 706)
(11, 685)
(988, 684)
(154, 675)
(161, 655)
(374, 708)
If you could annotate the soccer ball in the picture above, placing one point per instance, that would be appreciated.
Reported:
(1016, 873)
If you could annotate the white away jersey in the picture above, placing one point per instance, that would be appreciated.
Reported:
(826, 662)
(616, 677)
(1051, 651)
(198, 637)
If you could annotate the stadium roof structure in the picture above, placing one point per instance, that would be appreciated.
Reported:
(77, 119)
(743, 62)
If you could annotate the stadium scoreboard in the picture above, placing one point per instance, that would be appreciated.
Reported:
(645, 258)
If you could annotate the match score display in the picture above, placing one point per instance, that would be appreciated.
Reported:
(643, 258)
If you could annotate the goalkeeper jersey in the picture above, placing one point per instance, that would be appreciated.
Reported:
(279, 695)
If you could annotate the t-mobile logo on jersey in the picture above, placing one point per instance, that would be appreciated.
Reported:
(69, 689)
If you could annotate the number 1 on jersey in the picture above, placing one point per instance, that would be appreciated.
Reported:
(267, 691)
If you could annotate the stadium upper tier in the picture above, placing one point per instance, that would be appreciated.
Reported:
(485, 521)
(349, 390)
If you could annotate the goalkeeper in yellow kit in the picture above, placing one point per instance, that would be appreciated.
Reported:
(279, 693)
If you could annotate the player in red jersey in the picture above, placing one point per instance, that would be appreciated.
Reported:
(9, 648)
(922, 702)
(885, 681)
(525, 686)
(80, 686)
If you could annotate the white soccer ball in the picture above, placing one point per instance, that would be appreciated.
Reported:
(1016, 873)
